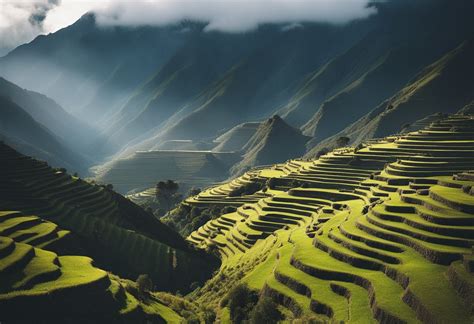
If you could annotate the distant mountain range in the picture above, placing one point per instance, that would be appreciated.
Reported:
(157, 88)
(37, 125)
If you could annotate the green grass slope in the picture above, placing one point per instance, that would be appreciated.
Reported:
(118, 234)
(381, 233)
(40, 285)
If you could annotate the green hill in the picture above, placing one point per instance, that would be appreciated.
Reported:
(117, 234)
(378, 233)
(39, 275)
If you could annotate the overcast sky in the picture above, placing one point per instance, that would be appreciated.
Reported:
(22, 20)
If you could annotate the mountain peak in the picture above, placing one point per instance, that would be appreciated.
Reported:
(274, 141)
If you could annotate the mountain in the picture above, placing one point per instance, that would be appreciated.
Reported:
(144, 169)
(446, 86)
(120, 236)
(76, 134)
(20, 130)
(186, 74)
(236, 138)
(91, 70)
(151, 83)
(274, 141)
(275, 62)
(356, 236)
(154, 88)
(380, 64)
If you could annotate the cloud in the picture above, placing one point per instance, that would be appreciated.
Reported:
(22, 20)
(292, 26)
(233, 15)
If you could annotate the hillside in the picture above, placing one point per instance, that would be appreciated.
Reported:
(274, 141)
(57, 287)
(144, 169)
(77, 135)
(19, 129)
(119, 235)
(88, 69)
(235, 138)
(144, 86)
(380, 65)
(445, 86)
(121, 79)
(353, 235)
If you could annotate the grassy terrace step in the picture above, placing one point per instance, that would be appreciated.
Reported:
(435, 211)
(454, 198)
(44, 266)
(436, 253)
(112, 230)
(16, 259)
(320, 265)
(415, 220)
(385, 226)
(67, 287)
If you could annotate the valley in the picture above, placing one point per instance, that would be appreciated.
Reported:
(237, 162)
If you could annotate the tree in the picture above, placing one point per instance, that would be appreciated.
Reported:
(194, 191)
(241, 300)
(342, 141)
(266, 311)
(208, 315)
(167, 194)
(144, 284)
(322, 152)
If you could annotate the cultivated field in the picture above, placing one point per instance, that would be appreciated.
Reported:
(378, 233)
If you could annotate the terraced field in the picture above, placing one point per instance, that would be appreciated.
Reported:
(70, 216)
(144, 169)
(55, 287)
(379, 233)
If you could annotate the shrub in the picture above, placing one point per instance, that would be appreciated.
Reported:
(241, 302)
(266, 311)
(144, 284)
(342, 141)
(194, 191)
(228, 209)
(271, 183)
(322, 152)
(208, 316)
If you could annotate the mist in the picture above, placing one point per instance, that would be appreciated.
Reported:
(233, 16)
(21, 21)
